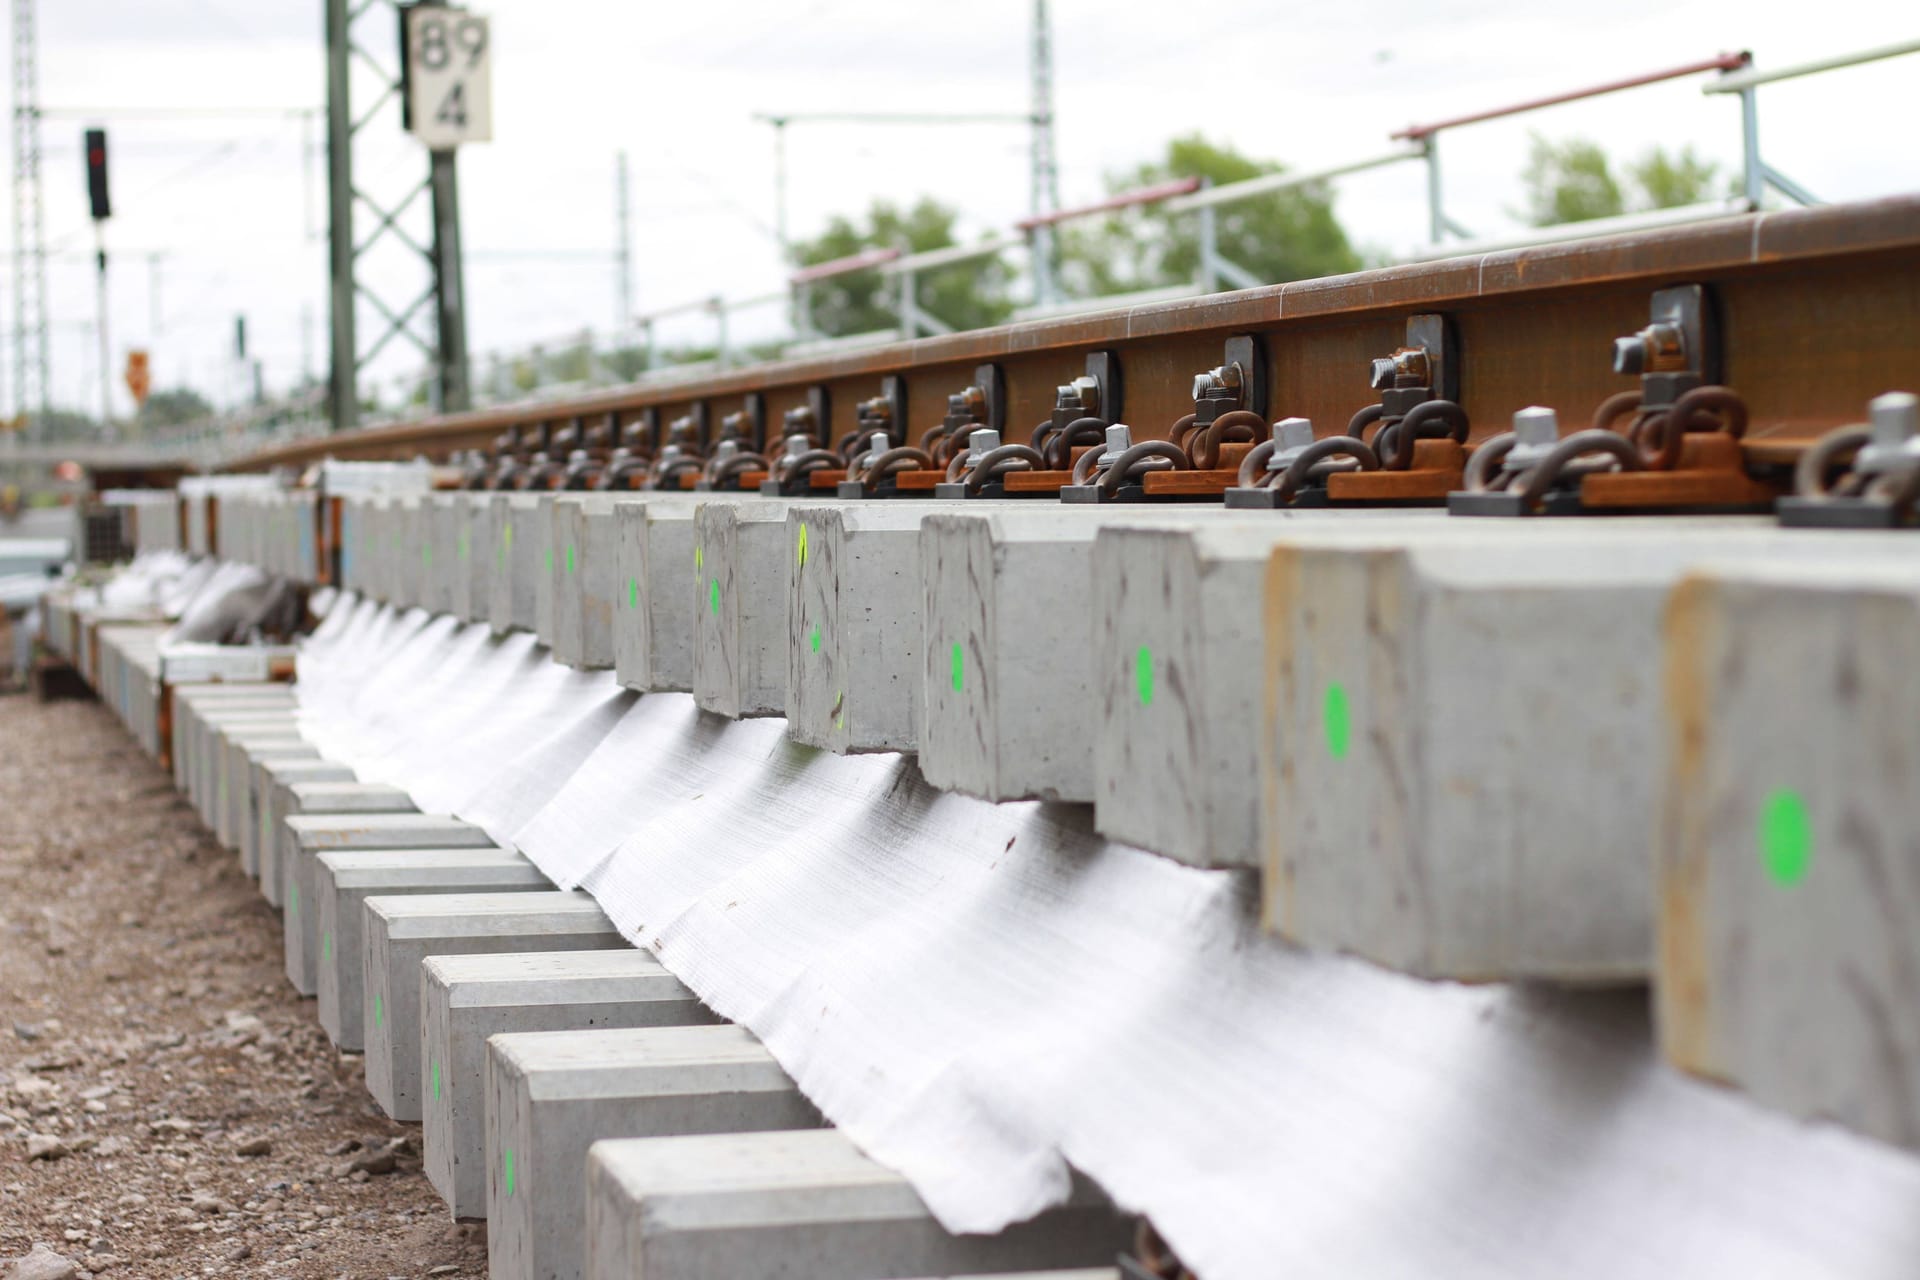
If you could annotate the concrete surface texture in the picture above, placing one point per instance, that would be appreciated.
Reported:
(803, 1202)
(401, 932)
(467, 999)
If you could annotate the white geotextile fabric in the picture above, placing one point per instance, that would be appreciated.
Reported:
(981, 994)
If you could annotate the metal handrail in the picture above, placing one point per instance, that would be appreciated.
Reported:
(1723, 62)
(1248, 188)
(862, 261)
(1736, 81)
(1124, 200)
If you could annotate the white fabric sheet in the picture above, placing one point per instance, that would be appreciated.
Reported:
(980, 995)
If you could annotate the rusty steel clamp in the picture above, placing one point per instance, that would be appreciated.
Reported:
(799, 458)
(736, 447)
(680, 462)
(1223, 410)
(1865, 476)
(1416, 432)
(724, 465)
(1229, 412)
(967, 409)
(984, 461)
(1076, 421)
(881, 459)
(628, 465)
(1099, 475)
(1537, 470)
(474, 469)
(1292, 468)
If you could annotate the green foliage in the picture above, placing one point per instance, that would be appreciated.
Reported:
(1669, 181)
(174, 408)
(66, 425)
(968, 295)
(1570, 181)
(626, 363)
(1288, 235)
(1573, 181)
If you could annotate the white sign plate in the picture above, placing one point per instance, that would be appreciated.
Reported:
(449, 76)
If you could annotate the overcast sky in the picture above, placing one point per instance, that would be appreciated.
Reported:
(227, 215)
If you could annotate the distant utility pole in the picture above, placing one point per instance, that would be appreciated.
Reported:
(31, 382)
(623, 245)
(1046, 177)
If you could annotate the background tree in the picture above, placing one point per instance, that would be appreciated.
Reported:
(968, 295)
(67, 425)
(173, 408)
(1573, 180)
(1288, 235)
(1670, 181)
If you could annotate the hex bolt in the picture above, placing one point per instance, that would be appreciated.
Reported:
(726, 449)
(1895, 416)
(1895, 441)
(798, 444)
(1119, 440)
(1536, 425)
(1629, 355)
(1290, 436)
(981, 442)
(1383, 371)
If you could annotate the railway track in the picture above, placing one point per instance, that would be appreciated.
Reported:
(948, 725)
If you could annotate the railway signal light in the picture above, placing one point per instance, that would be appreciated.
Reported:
(96, 148)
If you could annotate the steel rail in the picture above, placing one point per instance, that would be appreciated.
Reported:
(1819, 309)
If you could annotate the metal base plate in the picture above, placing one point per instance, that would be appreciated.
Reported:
(1837, 513)
(1508, 505)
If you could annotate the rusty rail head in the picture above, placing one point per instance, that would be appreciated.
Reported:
(1720, 62)
(1819, 311)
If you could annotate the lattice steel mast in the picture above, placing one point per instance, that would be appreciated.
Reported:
(30, 377)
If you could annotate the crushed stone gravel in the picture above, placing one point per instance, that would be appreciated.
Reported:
(168, 1106)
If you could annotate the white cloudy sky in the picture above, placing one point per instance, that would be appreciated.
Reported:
(227, 214)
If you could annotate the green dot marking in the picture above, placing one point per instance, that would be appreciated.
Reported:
(426, 555)
(803, 544)
(1143, 674)
(379, 1011)
(549, 559)
(1786, 837)
(293, 897)
(506, 1160)
(633, 593)
(699, 560)
(326, 947)
(814, 639)
(959, 668)
(436, 1082)
(463, 544)
(1337, 719)
(569, 557)
(713, 596)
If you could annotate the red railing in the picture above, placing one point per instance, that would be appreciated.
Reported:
(1724, 62)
